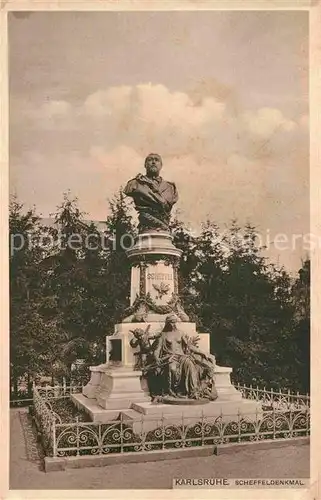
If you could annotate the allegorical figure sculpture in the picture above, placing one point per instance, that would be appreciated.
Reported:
(176, 368)
(141, 339)
(153, 196)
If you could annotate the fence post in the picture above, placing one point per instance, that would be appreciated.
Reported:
(121, 433)
(100, 441)
(183, 432)
(239, 425)
(273, 416)
(77, 435)
(222, 428)
(278, 401)
(54, 442)
(163, 432)
(203, 443)
(142, 437)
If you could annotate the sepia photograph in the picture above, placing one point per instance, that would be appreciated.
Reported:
(159, 250)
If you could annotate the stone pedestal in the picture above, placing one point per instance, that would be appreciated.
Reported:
(111, 383)
(91, 389)
(154, 279)
(224, 387)
(123, 396)
(145, 417)
(116, 389)
(153, 271)
(120, 388)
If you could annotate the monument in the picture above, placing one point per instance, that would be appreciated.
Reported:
(157, 365)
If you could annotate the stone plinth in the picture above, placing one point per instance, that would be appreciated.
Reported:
(115, 387)
(154, 278)
(95, 412)
(144, 417)
(153, 271)
(153, 243)
(115, 384)
(90, 390)
(224, 387)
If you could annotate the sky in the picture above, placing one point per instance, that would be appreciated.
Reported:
(221, 96)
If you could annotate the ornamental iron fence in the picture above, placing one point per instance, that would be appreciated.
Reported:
(275, 399)
(287, 421)
(47, 392)
(57, 391)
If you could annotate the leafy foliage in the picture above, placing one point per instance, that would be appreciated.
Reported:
(67, 297)
(31, 333)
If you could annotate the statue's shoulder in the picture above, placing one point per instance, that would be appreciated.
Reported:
(171, 184)
(132, 183)
(134, 179)
(140, 178)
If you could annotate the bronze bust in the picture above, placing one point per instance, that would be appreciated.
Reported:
(153, 196)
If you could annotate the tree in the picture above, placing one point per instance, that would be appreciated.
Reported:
(243, 303)
(186, 241)
(30, 335)
(89, 281)
(75, 269)
(301, 330)
(66, 297)
(119, 236)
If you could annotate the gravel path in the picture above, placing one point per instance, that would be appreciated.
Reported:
(26, 473)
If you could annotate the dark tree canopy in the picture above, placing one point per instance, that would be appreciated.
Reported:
(70, 284)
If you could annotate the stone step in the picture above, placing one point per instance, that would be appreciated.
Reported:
(130, 414)
(145, 417)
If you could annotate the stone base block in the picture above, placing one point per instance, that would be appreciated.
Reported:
(95, 412)
(144, 417)
(90, 390)
(119, 388)
(225, 390)
(116, 402)
(115, 388)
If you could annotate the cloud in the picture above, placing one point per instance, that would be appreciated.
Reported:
(150, 117)
(226, 161)
(266, 121)
(52, 109)
(106, 103)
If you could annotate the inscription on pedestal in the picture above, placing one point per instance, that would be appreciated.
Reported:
(160, 276)
(160, 282)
